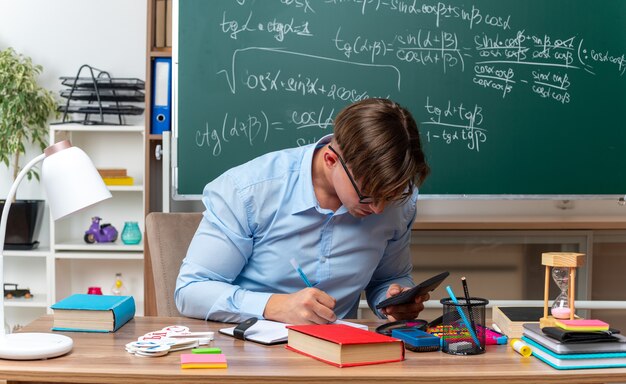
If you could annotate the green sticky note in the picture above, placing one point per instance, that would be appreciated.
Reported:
(206, 350)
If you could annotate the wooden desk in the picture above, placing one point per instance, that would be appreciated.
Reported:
(101, 358)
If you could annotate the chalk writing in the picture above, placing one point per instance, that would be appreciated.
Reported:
(252, 129)
(457, 122)
(278, 29)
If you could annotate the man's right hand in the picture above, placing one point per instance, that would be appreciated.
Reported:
(308, 306)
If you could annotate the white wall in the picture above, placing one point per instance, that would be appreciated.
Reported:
(62, 35)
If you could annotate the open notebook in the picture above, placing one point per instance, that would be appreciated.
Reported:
(272, 332)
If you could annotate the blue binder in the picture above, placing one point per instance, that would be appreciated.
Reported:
(161, 95)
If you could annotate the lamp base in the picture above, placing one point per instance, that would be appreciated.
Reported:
(34, 346)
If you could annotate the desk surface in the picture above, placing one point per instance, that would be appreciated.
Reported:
(101, 358)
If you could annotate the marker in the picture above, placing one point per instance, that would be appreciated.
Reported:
(299, 270)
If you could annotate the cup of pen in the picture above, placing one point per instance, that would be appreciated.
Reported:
(463, 326)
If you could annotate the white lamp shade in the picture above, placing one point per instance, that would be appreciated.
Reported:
(71, 182)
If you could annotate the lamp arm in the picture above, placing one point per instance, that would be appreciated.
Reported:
(3, 226)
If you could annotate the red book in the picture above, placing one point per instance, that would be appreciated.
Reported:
(344, 346)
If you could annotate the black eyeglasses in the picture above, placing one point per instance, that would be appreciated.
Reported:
(362, 198)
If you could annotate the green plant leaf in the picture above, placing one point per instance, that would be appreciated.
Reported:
(24, 108)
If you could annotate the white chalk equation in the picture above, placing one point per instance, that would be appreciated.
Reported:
(232, 73)
(250, 129)
(454, 123)
(552, 59)
(255, 129)
(440, 12)
(421, 47)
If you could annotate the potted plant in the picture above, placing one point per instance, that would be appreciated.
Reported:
(24, 111)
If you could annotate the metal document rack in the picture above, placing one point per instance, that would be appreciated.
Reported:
(99, 94)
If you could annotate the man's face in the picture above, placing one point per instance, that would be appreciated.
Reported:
(348, 194)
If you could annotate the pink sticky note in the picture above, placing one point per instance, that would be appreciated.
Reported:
(197, 358)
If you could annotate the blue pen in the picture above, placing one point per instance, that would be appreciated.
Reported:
(462, 314)
(299, 270)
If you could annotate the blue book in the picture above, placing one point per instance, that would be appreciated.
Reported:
(576, 361)
(92, 313)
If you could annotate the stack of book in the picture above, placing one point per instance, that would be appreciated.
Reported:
(573, 349)
(115, 177)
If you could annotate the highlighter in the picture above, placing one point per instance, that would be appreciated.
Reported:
(520, 347)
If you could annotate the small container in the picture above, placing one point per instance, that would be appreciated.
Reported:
(131, 233)
(118, 288)
(94, 291)
(464, 326)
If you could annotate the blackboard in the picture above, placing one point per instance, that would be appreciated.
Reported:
(513, 97)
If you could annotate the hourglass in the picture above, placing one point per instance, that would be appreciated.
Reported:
(560, 306)
(563, 266)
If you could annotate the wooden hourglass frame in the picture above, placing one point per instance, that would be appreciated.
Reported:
(569, 260)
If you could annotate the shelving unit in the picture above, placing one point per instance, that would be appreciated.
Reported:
(76, 265)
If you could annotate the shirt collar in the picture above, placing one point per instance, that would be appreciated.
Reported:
(306, 198)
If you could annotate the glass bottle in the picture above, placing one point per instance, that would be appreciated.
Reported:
(118, 288)
(131, 233)
(561, 306)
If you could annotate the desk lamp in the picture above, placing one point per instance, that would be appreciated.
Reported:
(71, 182)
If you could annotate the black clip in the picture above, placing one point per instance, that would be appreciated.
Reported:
(241, 329)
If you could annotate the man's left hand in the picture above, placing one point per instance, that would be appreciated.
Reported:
(405, 311)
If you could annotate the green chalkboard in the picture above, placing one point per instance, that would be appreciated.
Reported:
(513, 97)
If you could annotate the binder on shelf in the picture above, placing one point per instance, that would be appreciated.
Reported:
(161, 95)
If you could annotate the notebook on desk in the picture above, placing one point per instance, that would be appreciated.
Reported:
(272, 332)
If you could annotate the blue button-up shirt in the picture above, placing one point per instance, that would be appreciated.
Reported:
(261, 214)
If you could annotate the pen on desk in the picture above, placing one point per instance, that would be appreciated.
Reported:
(468, 301)
(462, 314)
(299, 270)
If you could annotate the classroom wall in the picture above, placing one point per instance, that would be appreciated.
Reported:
(62, 35)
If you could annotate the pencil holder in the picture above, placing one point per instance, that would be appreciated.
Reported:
(463, 326)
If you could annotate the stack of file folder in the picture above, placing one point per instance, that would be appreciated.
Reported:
(559, 350)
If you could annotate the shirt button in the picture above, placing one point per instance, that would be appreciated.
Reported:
(323, 259)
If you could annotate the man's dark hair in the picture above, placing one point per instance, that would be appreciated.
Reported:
(380, 142)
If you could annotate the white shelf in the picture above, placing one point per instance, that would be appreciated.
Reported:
(125, 188)
(90, 255)
(39, 252)
(39, 300)
(73, 127)
(98, 247)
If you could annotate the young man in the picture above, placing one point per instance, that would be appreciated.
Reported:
(342, 208)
